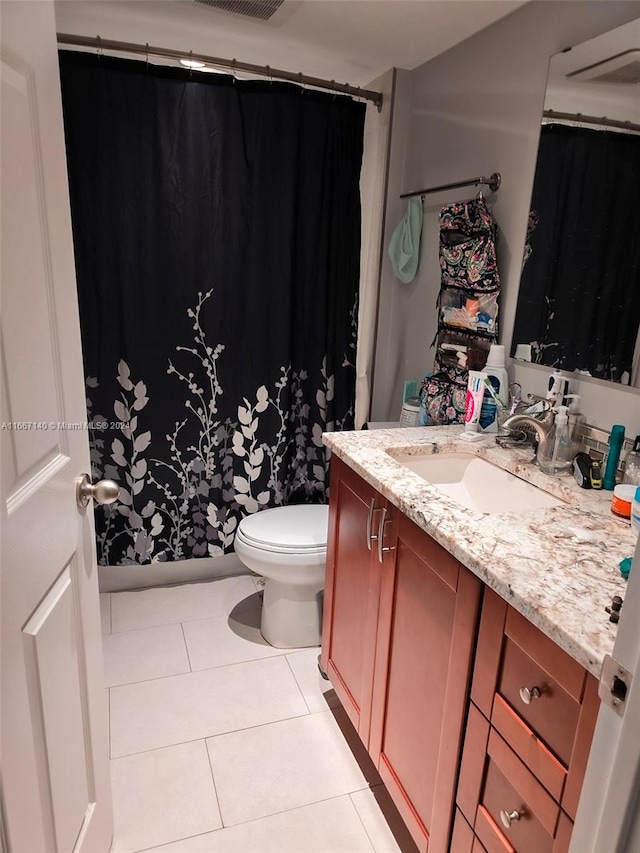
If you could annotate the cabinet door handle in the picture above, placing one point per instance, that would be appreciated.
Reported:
(528, 694)
(508, 818)
(380, 537)
(370, 536)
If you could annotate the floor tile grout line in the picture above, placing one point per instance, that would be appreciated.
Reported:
(181, 621)
(255, 819)
(213, 779)
(272, 723)
(300, 806)
(207, 669)
(216, 734)
(153, 678)
(360, 818)
(304, 698)
(186, 646)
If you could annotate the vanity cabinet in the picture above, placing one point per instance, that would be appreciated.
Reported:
(480, 725)
(531, 720)
(399, 632)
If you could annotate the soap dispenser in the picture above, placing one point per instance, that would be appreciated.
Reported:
(577, 422)
(558, 455)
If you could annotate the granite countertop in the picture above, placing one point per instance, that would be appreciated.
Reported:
(556, 566)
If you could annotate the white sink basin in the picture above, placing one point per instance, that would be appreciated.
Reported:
(477, 484)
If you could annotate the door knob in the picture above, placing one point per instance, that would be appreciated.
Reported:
(103, 492)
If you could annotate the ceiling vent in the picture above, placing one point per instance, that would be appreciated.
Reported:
(260, 10)
(624, 68)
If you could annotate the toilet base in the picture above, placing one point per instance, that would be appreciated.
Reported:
(291, 614)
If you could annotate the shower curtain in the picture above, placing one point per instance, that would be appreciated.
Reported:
(579, 299)
(217, 234)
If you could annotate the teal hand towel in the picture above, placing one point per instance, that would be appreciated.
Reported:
(404, 248)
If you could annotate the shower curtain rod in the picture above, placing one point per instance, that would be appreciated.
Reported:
(603, 121)
(232, 65)
(493, 182)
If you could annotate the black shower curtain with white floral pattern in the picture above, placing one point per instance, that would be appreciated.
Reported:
(217, 238)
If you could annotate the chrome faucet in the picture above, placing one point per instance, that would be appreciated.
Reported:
(540, 424)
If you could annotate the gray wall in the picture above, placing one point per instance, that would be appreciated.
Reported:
(474, 110)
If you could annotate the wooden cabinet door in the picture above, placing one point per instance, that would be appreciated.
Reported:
(426, 633)
(352, 591)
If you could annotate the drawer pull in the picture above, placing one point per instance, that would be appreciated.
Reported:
(508, 818)
(528, 694)
(370, 536)
(383, 520)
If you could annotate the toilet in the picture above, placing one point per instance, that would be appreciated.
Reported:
(288, 547)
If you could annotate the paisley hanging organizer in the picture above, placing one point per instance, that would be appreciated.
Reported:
(467, 307)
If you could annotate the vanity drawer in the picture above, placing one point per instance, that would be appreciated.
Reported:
(513, 656)
(548, 710)
(495, 841)
(509, 787)
(540, 761)
(494, 779)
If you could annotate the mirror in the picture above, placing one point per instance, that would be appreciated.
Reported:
(579, 298)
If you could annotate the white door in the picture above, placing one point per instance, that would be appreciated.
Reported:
(56, 790)
(608, 819)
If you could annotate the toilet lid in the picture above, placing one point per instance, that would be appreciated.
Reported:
(296, 528)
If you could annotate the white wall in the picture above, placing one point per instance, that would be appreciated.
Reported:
(578, 95)
(474, 110)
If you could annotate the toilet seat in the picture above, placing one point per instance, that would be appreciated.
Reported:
(291, 529)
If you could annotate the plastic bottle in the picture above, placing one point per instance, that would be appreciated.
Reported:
(615, 446)
(635, 510)
(557, 388)
(632, 464)
(496, 372)
(559, 457)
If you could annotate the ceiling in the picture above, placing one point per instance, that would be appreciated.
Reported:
(351, 41)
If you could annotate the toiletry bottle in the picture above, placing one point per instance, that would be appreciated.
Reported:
(635, 510)
(496, 372)
(615, 446)
(558, 458)
(557, 388)
(473, 406)
(632, 464)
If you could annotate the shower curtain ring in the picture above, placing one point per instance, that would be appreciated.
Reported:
(269, 77)
(233, 70)
(146, 55)
(333, 89)
(98, 47)
(301, 79)
(190, 63)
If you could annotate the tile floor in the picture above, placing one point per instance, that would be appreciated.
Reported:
(221, 743)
